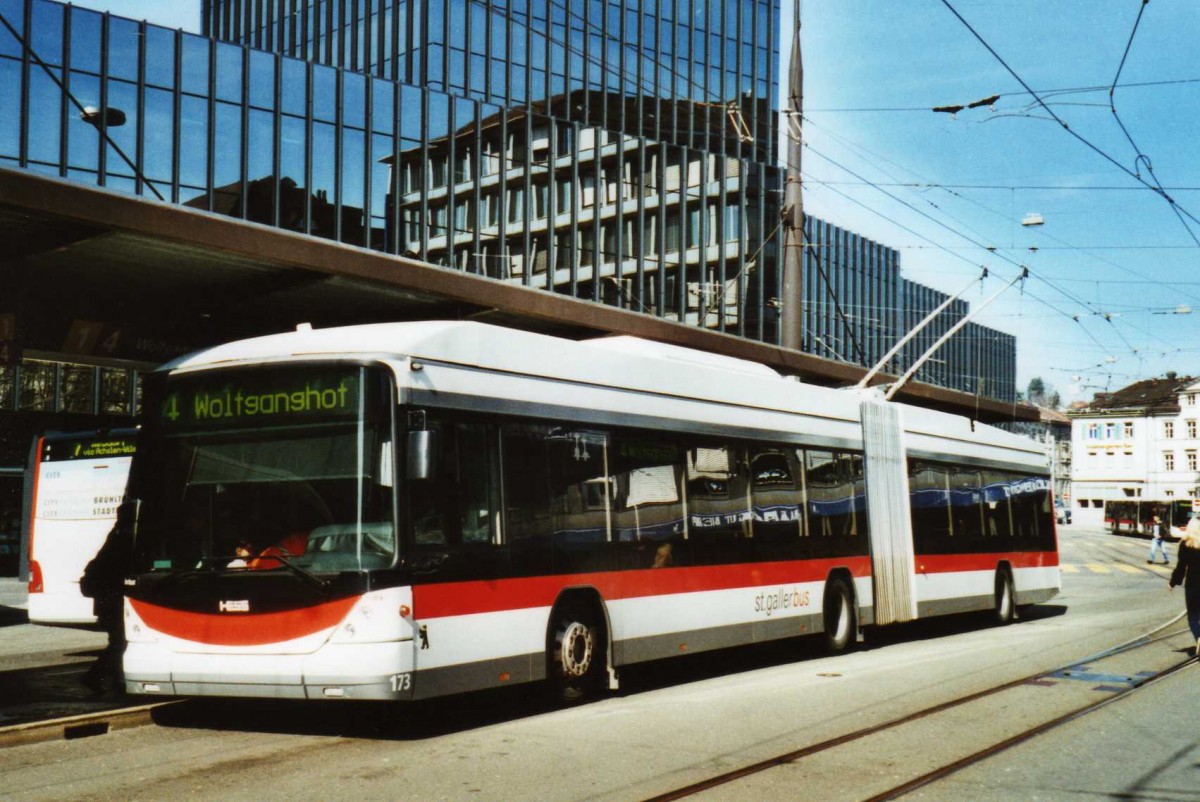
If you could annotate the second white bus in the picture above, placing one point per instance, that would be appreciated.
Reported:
(78, 482)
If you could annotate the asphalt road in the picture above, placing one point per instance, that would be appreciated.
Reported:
(680, 721)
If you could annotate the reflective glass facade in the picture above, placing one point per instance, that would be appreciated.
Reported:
(615, 151)
(856, 306)
(976, 359)
(850, 294)
(698, 73)
(619, 151)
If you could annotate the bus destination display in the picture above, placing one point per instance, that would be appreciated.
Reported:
(257, 399)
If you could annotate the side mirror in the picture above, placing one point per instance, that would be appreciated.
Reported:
(422, 445)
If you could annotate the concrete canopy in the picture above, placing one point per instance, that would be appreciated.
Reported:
(167, 278)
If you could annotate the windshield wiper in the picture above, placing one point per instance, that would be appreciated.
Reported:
(320, 584)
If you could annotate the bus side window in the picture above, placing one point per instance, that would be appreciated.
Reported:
(427, 505)
(966, 499)
(647, 502)
(832, 490)
(476, 451)
(929, 505)
(580, 492)
(996, 510)
(857, 471)
(777, 496)
(527, 517)
(454, 506)
(720, 519)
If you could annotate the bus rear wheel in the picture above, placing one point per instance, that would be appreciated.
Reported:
(840, 618)
(578, 661)
(1006, 605)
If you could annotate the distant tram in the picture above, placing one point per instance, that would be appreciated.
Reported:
(1136, 517)
(403, 511)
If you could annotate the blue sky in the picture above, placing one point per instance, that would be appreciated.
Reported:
(168, 13)
(1108, 261)
(1112, 260)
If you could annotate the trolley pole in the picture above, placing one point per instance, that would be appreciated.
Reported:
(793, 202)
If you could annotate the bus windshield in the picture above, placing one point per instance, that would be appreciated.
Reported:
(267, 470)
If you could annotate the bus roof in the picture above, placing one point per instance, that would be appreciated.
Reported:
(625, 362)
(459, 341)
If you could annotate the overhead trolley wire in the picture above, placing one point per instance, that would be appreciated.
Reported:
(1076, 318)
(1179, 210)
(1058, 311)
(1007, 217)
(1120, 67)
(1141, 157)
(1044, 93)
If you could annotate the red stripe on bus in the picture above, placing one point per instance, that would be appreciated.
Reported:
(243, 629)
(466, 598)
(488, 596)
(951, 563)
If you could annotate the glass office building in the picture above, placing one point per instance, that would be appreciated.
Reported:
(696, 73)
(620, 151)
(616, 151)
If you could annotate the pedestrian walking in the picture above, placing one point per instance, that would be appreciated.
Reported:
(1187, 573)
(102, 580)
(1158, 532)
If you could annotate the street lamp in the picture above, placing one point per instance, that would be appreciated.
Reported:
(111, 116)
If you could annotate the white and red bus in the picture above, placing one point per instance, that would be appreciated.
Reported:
(78, 482)
(402, 511)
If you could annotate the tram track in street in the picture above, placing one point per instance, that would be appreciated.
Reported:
(1115, 685)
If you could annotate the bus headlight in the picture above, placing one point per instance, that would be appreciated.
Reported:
(375, 619)
(136, 630)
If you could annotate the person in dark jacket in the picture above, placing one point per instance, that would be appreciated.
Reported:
(1158, 534)
(103, 581)
(1187, 573)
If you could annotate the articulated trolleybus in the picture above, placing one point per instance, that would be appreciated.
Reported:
(402, 511)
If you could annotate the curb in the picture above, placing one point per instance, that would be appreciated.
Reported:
(81, 726)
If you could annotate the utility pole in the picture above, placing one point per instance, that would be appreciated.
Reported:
(793, 202)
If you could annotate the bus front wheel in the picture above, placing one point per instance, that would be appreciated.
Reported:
(577, 656)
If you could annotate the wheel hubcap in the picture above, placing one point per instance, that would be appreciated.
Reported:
(575, 649)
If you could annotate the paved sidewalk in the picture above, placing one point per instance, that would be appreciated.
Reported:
(41, 667)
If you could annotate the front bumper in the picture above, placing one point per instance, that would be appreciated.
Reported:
(377, 671)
